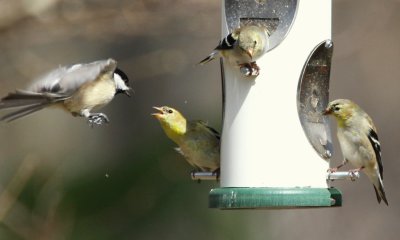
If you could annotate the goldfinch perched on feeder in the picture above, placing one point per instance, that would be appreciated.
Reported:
(359, 142)
(243, 47)
(198, 143)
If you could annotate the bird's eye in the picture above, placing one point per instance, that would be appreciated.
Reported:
(170, 111)
(336, 109)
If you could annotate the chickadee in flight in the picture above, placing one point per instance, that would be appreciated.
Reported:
(78, 89)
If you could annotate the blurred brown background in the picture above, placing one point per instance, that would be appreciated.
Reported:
(60, 179)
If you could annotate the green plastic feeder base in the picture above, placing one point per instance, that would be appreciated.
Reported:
(274, 198)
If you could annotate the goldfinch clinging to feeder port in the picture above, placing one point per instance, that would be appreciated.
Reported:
(198, 143)
(242, 47)
(359, 142)
(77, 89)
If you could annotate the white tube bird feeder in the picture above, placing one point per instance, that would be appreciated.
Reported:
(276, 144)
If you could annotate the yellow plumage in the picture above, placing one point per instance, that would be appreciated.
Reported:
(359, 142)
(198, 143)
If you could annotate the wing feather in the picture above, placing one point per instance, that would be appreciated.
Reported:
(67, 80)
(373, 138)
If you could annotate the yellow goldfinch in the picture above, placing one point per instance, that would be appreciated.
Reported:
(198, 143)
(359, 142)
(243, 47)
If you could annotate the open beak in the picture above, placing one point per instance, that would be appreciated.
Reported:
(128, 92)
(159, 114)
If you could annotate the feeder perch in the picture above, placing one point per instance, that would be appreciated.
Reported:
(276, 144)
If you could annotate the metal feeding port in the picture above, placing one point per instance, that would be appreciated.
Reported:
(277, 16)
(331, 176)
(198, 176)
(313, 97)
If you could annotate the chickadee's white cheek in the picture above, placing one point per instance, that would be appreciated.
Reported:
(119, 83)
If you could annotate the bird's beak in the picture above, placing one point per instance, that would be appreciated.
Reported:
(327, 111)
(128, 92)
(159, 114)
(250, 52)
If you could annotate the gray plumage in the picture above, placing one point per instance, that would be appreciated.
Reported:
(78, 89)
(66, 80)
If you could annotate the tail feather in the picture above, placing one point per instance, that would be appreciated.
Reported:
(21, 98)
(378, 197)
(380, 192)
(29, 102)
(209, 58)
(23, 112)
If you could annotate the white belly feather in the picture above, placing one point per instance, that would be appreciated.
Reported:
(92, 95)
(352, 148)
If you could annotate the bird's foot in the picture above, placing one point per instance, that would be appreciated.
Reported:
(193, 174)
(217, 173)
(332, 170)
(97, 119)
(249, 69)
(354, 171)
(255, 68)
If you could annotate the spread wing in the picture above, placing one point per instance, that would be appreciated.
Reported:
(66, 80)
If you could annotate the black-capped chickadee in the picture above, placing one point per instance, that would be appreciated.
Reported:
(77, 89)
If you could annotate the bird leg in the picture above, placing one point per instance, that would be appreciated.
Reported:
(97, 119)
(193, 173)
(332, 170)
(217, 172)
(250, 69)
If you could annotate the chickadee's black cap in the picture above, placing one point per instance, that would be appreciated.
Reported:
(123, 75)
